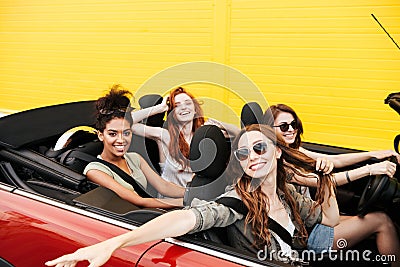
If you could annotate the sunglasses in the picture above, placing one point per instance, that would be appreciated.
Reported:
(244, 153)
(113, 111)
(285, 126)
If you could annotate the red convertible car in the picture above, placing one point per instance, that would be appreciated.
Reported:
(48, 208)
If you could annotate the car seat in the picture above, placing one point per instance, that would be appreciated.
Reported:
(146, 147)
(76, 148)
(251, 114)
(209, 156)
(149, 101)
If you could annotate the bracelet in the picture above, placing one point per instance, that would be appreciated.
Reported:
(347, 177)
(369, 169)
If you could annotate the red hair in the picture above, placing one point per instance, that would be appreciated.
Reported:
(178, 147)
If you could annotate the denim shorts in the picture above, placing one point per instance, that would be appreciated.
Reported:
(320, 238)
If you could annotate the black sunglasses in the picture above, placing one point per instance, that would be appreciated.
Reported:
(243, 153)
(285, 126)
(113, 111)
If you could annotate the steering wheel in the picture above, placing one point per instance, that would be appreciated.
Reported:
(381, 189)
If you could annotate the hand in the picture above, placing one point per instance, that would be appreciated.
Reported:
(211, 121)
(97, 255)
(384, 167)
(324, 165)
(164, 106)
(381, 154)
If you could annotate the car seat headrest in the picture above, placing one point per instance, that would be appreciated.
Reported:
(209, 152)
(75, 136)
(251, 114)
(150, 101)
(76, 147)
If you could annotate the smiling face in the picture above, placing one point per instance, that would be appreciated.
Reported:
(290, 135)
(184, 108)
(261, 160)
(116, 138)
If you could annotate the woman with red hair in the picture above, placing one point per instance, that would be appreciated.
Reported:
(185, 116)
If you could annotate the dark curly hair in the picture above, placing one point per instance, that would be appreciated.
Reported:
(115, 104)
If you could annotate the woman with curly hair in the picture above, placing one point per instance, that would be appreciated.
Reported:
(114, 129)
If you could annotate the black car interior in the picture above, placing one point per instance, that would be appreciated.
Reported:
(209, 157)
(251, 114)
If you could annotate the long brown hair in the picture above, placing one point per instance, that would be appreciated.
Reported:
(273, 111)
(178, 147)
(258, 203)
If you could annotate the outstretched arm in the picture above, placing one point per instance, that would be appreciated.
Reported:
(141, 114)
(162, 186)
(384, 167)
(107, 181)
(171, 224)
(155, 133)
(345, 177)
(343, 160)
(231, 129)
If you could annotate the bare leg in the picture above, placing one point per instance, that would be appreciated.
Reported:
(355, 229)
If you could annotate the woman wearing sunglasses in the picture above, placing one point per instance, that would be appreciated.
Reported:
(259, 164)
(289, 127)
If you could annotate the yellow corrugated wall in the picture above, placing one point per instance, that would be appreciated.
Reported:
(329, 60)
(57, 51)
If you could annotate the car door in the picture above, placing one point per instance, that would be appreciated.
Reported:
(34, 230)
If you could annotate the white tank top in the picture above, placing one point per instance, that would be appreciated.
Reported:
(174, 173)
(285, 248)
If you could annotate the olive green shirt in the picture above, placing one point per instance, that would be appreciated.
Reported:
(133, 161)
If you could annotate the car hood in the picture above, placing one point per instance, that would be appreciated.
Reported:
(37, 124)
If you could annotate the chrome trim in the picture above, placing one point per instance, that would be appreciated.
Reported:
(215, 253)
(6, 187)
